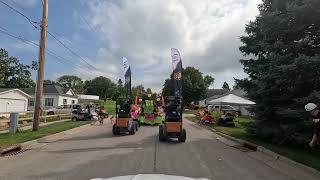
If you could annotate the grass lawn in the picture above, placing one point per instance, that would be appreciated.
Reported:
(296, 154)
(191, 111)
(28, 135)
(110, 106)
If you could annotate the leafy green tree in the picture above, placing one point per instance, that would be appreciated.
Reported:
(120, 89)
(208, 80)
(48, 81)
(73, 82)
(283, 61)
(14, 74)
(138, 91)
(102, 87)
(194, 87)
(226, 86)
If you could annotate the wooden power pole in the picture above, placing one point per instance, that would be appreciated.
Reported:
(39, 90)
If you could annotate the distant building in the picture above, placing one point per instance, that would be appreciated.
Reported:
(218, 93)
(83, 98)
(13, 100)
(53, 96)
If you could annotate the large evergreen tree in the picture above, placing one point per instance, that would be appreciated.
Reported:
(283, 50)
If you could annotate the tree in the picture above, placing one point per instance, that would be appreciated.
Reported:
(48, 81)
(120, 83)
(226, 86)
(283, 50)
(73, 82)
(208, 80)
(194, 87)
(14, 74)
(102, 87)
(121, 91)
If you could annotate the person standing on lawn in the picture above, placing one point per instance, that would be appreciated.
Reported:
(314, 111)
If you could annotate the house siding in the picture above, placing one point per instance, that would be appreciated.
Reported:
(13, 101)
(69, 99)
(55, 102)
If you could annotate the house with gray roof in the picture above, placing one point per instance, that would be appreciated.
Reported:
(53, 96)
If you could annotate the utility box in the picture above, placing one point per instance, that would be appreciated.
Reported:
(13, 123)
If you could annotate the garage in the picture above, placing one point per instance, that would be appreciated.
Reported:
(13, 100)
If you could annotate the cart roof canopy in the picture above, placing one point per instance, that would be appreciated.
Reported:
(231, 99)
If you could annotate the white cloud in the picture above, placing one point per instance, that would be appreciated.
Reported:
(206, 32)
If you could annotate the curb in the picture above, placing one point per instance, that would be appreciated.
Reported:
(56, 135)
(8, 149)
(29, 144)
(263, 150)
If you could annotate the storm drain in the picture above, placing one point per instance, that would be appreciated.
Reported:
(242, 148)
(13, 152)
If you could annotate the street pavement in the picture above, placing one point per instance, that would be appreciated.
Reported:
(92, 152)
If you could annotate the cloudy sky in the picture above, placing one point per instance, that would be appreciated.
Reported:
(103, 31)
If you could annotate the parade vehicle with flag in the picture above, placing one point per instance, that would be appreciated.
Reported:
(151, 111)
(124, 122)
(172, 126)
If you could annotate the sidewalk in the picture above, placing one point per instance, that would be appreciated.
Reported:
(30, 126)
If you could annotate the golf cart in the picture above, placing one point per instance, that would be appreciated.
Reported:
(172, 126)
(124, 122)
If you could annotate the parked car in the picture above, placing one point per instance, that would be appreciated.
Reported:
(59, 110)
(226, 108)
(78, 115)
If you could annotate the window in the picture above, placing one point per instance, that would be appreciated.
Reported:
(48, 102)
(65, 101)
(73, 102)
(31, 102)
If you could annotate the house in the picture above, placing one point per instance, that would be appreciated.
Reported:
(214, 94)
(83, 98)
(53, 96)
(13, 100)
(217, 93)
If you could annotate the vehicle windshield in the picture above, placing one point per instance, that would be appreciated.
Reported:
(160, 89)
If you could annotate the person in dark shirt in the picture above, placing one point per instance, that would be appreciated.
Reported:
(314, 111)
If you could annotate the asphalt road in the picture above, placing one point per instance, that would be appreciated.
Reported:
(92, 151)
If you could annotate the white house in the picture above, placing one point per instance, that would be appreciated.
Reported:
(53, 96)
(83, 98)
(13, 100)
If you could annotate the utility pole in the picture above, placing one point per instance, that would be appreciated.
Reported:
(39, 90)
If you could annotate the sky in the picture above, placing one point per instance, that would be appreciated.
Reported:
(101, 32)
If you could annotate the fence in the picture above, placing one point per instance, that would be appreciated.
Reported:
(25, 118)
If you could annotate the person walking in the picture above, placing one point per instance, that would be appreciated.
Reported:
(314, 111)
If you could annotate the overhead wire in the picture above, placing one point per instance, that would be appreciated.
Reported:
(60, 59)
(33, 23)
(37, 26)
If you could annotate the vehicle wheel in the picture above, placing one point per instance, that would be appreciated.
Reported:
(183, 136)
(161, 134)
(132, 130)
(115, 130)
(74, 119)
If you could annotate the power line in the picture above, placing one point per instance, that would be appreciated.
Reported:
(60, 59)
(36, 25)
(33, 23)
(74, 53)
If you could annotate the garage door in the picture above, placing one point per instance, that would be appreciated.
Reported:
(12, 105)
